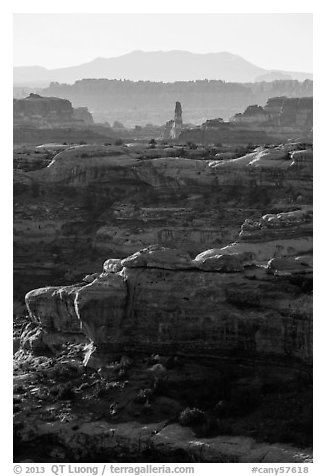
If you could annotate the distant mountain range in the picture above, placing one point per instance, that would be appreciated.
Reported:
(157, 66)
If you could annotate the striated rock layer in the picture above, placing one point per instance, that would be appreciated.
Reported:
(113, 203)
(245, 304)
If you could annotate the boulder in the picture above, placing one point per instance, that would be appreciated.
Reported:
(112, 265)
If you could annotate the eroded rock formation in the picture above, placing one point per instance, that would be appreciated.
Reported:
(113, 203)
(49, 112)
(249, 301)
(204, 300)
(280, 111)
(280, 119)
(173, 128)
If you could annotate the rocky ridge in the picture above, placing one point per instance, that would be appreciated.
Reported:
(281, 112)
(111, 100)
(280, 119)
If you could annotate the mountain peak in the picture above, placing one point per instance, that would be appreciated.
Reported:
(166, 66)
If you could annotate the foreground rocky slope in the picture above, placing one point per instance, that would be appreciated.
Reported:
(114, 202)
(64, 412)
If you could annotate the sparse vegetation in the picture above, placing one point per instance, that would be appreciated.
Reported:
(192, 416)
(192, 145)
(152, 143)
(118, 125)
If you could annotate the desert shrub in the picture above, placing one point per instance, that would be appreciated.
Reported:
(192, 416)
(182, 152)
(101, 390)
(192, 145)
(213, 426)
(118, 142)
(207, 154)
(118, 125)
(20, 389)
(144, 394)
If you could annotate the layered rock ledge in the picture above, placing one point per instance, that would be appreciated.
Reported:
(249, 301)
(228, 331)
(114, 203)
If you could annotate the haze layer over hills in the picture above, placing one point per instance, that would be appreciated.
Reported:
(145, 102)
(158, 66)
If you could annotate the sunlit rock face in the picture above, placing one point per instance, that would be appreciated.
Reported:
(250, 300)
(177, 125)
(173, 128)
(53, 319)
(113, 203)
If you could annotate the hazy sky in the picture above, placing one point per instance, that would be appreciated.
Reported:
(271, 41)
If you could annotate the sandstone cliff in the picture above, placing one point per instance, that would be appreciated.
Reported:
(49, 112)
(113, 203)
(204, 300)
(249, 301)
(229, 331)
